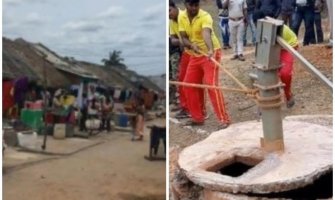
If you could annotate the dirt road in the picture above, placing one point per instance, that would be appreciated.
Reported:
(115, 169)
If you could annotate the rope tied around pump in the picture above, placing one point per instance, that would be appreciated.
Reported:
(262, 102)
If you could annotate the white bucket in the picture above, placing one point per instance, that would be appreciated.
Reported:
(93, 124)
(59, 131)
(28, 140)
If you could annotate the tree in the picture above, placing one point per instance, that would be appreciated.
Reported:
(114, 59)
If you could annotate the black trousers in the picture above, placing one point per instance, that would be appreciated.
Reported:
(82, 126)
(105, 124)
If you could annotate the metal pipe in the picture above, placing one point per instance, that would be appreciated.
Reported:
(306, 64)
(267, 64)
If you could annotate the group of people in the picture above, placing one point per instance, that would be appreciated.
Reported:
(236, 15)
(100, 106)
(191, 31)
(95, 105)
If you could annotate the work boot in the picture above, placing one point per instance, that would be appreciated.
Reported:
(226, 47)
(234, 58)
(241, 57)
(290, 103)
(182, 114)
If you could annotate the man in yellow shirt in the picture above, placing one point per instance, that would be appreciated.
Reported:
(196, 31)
(176, 40)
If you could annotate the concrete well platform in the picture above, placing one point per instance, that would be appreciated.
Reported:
(307, 156)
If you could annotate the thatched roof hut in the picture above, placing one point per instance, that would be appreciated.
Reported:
(42, 64)
(20, 58)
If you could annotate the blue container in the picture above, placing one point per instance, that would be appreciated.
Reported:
(123, 120)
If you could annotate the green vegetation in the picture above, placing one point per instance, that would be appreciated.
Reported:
(114, 59)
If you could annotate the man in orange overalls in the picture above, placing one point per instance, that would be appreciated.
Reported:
(196, 30)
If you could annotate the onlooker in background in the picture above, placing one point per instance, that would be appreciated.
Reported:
(20, 90)
(83, 112)
(251, 4)
(139, 126)
(304, 10)
(330, 17)
(223, 24)
(56, 101)
(237, 11)
(317, 20)
(287, 9)
(265, 8)
(57, 106)
(106, 113)
(93, 108)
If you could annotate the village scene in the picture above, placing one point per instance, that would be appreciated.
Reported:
(80, 125)
(248, 97)
(235, 131)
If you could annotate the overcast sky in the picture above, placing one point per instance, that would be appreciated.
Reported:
(89, 29)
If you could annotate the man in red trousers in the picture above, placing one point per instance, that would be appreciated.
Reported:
(196, 30)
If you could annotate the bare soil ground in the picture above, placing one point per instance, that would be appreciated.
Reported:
(115, 169)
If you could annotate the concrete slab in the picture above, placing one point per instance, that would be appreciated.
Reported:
(307, 155)
(324, 120)
(214, 195)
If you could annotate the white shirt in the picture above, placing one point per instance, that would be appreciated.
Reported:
(236, 7)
